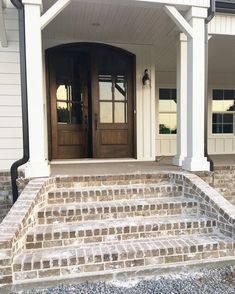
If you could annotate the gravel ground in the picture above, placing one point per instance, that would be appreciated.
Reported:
(209, 281)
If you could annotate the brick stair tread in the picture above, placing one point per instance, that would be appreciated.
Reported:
(115, 223)
(116, 186)
(130, 246)
(118, 203)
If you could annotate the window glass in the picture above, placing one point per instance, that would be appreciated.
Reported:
(167, 111)
(106, 112)
(105, 87)
(120, 88)
(223, 111)
(167, 123)
(119, 112)
(63, 111)
(61, 93)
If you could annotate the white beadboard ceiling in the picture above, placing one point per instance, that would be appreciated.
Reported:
(117, 24)
(132, 25)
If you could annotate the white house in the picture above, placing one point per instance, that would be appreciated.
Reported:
(87, 93)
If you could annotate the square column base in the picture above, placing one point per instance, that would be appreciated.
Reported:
(37, 169)
(196, 164)
(178, 160)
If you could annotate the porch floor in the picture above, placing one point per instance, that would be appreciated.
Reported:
(163, 163)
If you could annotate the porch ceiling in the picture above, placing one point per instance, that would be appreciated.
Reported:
(108, 23)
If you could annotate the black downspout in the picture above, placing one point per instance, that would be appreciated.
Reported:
(211, 14)
(24, 100)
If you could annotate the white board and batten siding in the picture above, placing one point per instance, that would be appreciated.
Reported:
(10, 95)
(217, 143)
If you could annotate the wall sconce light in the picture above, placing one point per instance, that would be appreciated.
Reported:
(146, 78)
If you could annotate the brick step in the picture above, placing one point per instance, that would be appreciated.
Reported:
(116, 209)
(56, 235)
(117, 256)
(111, 179)
(113, 192)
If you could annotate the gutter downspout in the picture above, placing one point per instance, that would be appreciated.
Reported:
(211, 14)
(24, 100)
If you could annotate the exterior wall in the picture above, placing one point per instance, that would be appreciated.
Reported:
(222, 24)
(10, 101)
(145, 98)
(217, 143)
(164, 144)
(220, 143)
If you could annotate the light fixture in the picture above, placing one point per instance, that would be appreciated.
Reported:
(146, 78)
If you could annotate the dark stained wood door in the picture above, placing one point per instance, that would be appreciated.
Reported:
(69, 77)
(91, 102)
(113, 129)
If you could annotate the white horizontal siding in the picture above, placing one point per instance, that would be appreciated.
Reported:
(13, 122)
(10, 57)
(10, 133)
(10, 100)
(10, 90)
(9, 111)
(7, 68)
(9, 79)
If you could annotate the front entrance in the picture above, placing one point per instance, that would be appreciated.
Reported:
(91, 101)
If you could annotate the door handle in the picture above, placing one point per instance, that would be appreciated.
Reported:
(96, 121)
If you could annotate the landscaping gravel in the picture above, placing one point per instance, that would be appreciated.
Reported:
(206, 281)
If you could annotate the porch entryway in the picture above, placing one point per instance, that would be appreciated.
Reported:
(91, 101)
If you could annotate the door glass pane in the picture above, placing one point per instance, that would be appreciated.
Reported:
(120, 88)
(105, 87)
(119, 112)
(61, 93)
(76, 113)
(63, 115)
(106, 112)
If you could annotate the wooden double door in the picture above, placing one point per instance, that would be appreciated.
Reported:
(91, 101)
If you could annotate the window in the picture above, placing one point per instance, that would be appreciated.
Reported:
(167, 111)
(223, 111)
(113, 98)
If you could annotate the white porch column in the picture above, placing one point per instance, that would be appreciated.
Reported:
(195, 160)
(181, 100)
(38, 163)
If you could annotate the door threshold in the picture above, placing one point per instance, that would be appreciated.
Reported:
(91, 160)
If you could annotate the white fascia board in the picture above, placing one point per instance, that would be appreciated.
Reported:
(52, 12)
(198, 3)
(3, 34)
(179, 20)
(152, 3)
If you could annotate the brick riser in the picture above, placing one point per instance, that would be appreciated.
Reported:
(118, 256)
(116, 210)
(77, 235)
(117, 192)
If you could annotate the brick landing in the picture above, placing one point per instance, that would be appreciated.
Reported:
(68, 227)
